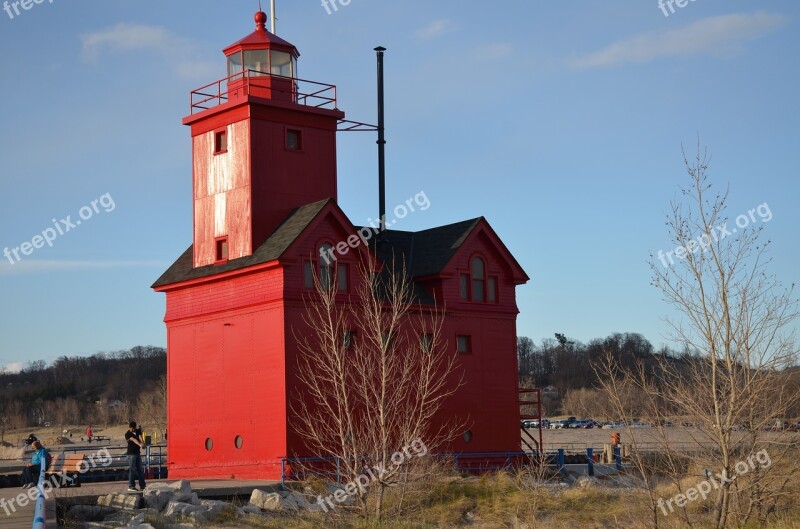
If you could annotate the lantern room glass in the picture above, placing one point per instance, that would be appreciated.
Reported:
(257, 61)
(235, 64)
(282, 64)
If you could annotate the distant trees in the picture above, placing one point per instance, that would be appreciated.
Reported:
(67, 392)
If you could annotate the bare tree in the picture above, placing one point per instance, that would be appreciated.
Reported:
(375, 371)
(736, 315)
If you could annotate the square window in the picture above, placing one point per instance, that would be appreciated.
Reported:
(222, 250)
(348, 339)
(464, 343)
(294, 140)
(387, 340)
(426, 342)
(220, 142)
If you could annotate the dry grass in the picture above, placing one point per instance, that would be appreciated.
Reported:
(498, 501)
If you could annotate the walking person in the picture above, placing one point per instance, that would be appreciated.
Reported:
(89, 433)
(134, 453)
(30, 474)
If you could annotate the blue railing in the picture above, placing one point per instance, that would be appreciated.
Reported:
(39, 512)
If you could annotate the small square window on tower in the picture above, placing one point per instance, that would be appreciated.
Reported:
(220, 141)
(222, 250)
(464, 343)
(294, 140)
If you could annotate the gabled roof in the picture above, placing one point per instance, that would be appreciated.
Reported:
(270, 250)
(424, 254)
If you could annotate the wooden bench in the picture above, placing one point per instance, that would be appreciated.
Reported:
(67, 469)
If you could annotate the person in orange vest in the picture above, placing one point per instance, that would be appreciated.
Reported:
(89, 433)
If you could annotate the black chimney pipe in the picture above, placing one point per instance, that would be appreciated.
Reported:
(381, 142)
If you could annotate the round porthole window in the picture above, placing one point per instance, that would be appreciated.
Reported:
(238, 441)
(468, 436)
(209, 444)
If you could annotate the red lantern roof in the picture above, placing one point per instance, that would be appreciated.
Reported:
(261, 39)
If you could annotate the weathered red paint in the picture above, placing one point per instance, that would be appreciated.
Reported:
(232, 356)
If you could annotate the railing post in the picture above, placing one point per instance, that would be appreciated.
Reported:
(39, 513)
(618, 457)
(590, 460)
(560, 460)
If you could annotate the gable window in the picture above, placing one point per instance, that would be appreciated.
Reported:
(328, 271)
(464, 286)
(220, 142)
(221, 255)
(477, 286)
(464, 343)
(491, 289)
(478, 270)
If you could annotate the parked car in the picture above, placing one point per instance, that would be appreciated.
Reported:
(559, 425)
(582, 424)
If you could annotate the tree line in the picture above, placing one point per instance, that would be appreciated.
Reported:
(103, 389)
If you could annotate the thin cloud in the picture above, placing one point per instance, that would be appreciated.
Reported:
(494, 52)
(130, 38)
(37, 266)
(435, 29)
(16, 367)
(722, 35)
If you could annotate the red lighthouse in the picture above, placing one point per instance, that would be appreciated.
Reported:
(265, 199)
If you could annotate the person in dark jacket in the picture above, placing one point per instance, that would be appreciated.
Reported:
(134, 453)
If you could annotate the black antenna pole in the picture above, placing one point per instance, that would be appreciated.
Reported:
(381, 142)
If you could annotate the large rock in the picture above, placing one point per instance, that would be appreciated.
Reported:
(284, 501)
(268, 501)
(158, 495)
(585, 482)
(121, 501)
(175, 508)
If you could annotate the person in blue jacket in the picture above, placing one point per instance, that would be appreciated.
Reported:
(30, 474)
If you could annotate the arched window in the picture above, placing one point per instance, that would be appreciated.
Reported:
(478, 272)
(476, 285)
(328, 270)
(325, 266)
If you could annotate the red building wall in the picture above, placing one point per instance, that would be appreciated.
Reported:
(226, 378)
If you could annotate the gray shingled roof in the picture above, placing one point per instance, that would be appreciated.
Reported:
(425, 253)
(270, 250)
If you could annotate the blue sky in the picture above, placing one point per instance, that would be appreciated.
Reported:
(560, 122)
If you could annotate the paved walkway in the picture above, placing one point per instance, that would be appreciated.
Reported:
(16, 509)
